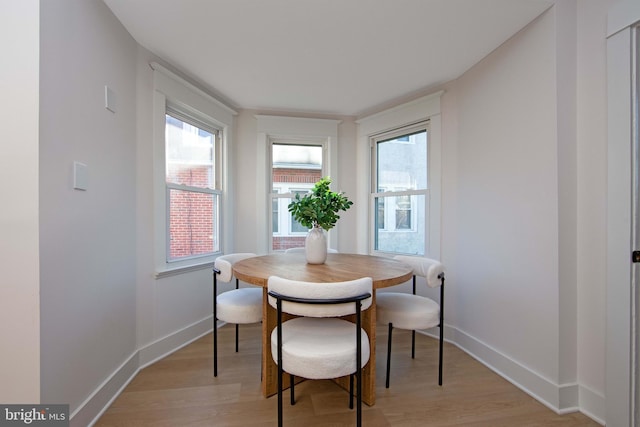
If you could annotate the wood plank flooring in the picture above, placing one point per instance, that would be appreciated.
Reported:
(180, 391)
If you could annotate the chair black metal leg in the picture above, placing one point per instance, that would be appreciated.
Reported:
(440, 364)
(389, 353)
(215, 323)
(351, 391)
(359, 400)
(413, 333)
(359, 363)
(237, 337)
(413, 344)
(279, 359)
(292, 383)
(279, 396)
(441, 327)
(215, 348)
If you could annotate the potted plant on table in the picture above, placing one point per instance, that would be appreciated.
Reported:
(318, 211)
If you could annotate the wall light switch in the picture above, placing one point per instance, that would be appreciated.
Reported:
(80, 176)
(109, 99)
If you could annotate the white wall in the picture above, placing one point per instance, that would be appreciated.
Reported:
(88, 238)
(19, 291)
(621, 357)
(523, 215)
(507, 200)
(592, 196)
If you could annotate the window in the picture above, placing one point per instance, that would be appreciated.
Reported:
(192, 199)
(404, 150)
(295, 168)
(292, 154)
(190, 132)
(400, 191)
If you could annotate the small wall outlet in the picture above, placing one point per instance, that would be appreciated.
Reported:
(80, 176)
(109, 99)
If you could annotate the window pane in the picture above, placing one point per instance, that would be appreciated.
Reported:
(400, 224)
(295, 169)
(380, 213)
(193, 224)
(402, 162)
(291, 236)
(403, 213)
(274, 213)
(189, 154)
(296, 227)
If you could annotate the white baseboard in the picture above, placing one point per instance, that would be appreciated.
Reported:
(168, 344)
(102, 397)
(99, 401)
(561, 398)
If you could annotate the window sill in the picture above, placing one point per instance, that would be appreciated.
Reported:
(182, 270)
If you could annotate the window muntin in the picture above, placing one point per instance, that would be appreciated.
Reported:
(295, 167)
(193, 202)
(400, 191)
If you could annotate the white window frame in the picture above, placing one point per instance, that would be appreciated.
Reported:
(390, 211)
(175, 93)
(197, 122)
(424, 109)
(285, 222)
(297, 130)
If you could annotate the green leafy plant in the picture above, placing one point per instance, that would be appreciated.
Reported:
(320, 207)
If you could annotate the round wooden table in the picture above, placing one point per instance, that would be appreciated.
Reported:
(339, 267)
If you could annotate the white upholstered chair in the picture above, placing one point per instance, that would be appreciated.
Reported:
(319, 345)
(411, 311)
(301, 250)
(239, 305)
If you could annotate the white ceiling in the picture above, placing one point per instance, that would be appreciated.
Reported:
(344, 57)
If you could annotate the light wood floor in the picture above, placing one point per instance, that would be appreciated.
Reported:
(180, 391)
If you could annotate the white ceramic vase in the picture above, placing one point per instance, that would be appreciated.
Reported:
(316, 246)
